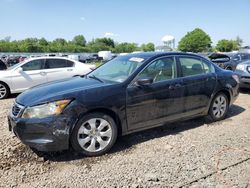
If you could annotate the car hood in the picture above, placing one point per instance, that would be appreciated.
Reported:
(219, 57)
(57, 90)
(4, 73)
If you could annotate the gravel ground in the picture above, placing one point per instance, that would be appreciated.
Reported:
(194, 153)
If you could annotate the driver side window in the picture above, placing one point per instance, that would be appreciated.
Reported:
(160, 70)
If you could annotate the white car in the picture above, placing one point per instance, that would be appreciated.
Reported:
(35, 71)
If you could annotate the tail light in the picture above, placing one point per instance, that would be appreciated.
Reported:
(236, 78)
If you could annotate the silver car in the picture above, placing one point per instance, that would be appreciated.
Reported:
(243, 70)
(40, 70)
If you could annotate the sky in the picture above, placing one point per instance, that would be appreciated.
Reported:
(139, 21)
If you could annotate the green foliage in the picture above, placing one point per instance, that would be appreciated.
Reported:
(195, 41)
(101, 44)
(148, 47)
(225, 45)
(79, 40)
(126, 47)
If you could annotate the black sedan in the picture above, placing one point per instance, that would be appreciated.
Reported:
(128, 94)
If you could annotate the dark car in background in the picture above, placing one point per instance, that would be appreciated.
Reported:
(127, 94)
(243, 71)
(228, 61)
(3, 66)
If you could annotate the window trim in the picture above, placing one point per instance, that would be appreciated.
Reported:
(132, 83)
(212, 70)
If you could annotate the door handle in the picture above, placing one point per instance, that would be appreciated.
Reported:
(176, 86)
(69, 69)
(171, 87)
(43, 73)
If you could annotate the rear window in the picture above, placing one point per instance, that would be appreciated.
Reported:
(58, 63)
(245, 57)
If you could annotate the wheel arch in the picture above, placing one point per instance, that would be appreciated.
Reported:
(8, 87)
(226, 92)
(107, 111)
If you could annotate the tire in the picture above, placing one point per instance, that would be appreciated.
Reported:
(4, 91)
(219, 107)
(94, 134)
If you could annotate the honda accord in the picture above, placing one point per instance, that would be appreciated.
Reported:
(127, 94)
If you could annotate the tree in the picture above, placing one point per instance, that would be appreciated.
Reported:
(195, 41)
(29, 45)
(101, 44)
(148, 47)
(58, 45)
(79, 40)
(126, 47)
(225, 45)
(107, 41)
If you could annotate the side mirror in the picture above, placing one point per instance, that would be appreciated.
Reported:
(144, 81)
(19, 69)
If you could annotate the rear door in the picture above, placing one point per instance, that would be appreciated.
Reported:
(199, 81)
(56, 68)
(32, 74)
(156, 103)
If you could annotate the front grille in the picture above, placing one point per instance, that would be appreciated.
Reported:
(17, 109)
(245, 77)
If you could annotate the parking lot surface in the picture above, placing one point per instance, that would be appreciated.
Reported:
(194, 153)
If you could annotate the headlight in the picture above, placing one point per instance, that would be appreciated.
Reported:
(45, 110)
(240, 67)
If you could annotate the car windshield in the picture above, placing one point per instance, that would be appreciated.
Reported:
(118, 69)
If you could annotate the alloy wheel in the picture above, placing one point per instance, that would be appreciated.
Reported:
(3, 91)
(94, 134)
(219, 106)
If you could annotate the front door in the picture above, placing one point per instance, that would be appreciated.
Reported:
(32, 74)
(162, 100)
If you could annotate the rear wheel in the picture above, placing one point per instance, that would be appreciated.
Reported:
(4, 91)
(219, 107)
(94, 134)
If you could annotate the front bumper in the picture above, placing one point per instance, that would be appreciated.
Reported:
(244, 78)
(48, 134)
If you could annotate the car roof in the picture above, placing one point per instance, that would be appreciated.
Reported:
(50, 57)
(147, 55)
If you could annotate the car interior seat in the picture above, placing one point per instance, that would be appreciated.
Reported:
(196, 69)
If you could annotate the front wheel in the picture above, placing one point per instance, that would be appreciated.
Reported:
(94, 134)
(219, 107)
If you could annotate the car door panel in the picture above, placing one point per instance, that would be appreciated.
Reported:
(27, 78)
(156, 103)
(58, 69)
(198, 91)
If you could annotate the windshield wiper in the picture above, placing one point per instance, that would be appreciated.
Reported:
(96, 78)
